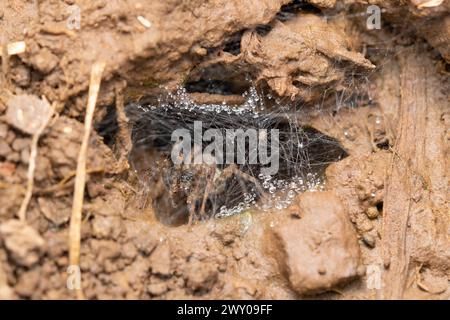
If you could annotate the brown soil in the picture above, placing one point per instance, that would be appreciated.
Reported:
(383, 94)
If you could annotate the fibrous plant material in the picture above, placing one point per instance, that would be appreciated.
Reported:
(16, 47)
(5, 61)
(80, 178)
(412, 185)
(240, 177)
(31, 115)
(30, 174)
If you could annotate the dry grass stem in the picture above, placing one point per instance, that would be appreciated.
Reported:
(80, 177)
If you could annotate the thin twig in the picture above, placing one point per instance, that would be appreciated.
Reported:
(5, 61)
(64, 181)
(80, 178)
(31, 169)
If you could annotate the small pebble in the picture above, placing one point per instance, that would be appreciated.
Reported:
(322, 271)
(4, 148)
(28, 113)
(19, 144)
(3, 130)
(372, 213)
(13, 157)
(369, 240)
(157, 289)
(44, 61)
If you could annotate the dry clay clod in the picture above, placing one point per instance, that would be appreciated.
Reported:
(296, 58)
(316, 247)
(28, 113)
(24, 244)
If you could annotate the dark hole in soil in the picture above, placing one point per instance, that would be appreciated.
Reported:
(108, 126)
(200, 191)
(383, 144)
(215, 87)
(288, 11)
(233, 45)
(263, 30)
(379, 206)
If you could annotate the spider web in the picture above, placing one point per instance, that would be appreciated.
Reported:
(304, 152)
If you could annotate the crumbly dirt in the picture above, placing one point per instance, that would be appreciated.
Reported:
(379, 230)
(316, 247)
